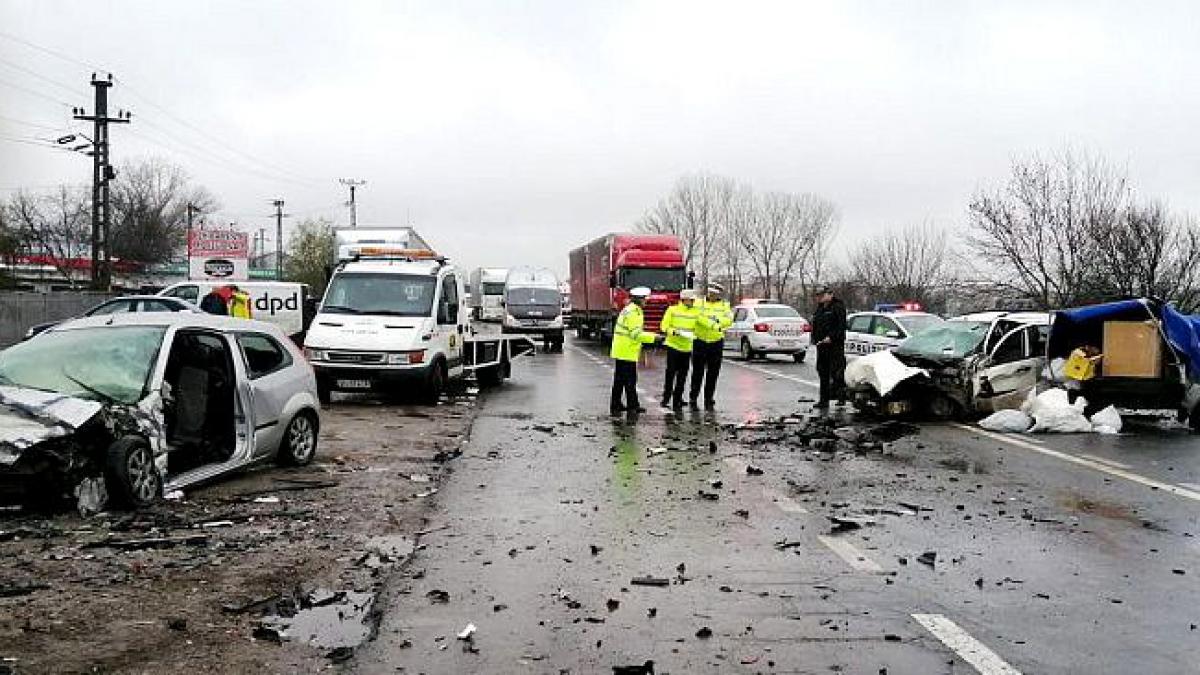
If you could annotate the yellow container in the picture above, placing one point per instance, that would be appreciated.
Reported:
(1080, 366)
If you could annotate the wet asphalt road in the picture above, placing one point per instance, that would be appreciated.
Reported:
(1054, 554)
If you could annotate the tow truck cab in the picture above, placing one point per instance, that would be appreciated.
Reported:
(391, 320)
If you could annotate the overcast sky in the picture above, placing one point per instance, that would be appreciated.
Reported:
(509, 132)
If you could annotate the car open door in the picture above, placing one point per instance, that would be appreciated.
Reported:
(1009, 370)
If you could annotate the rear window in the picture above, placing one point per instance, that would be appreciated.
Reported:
(776, 313)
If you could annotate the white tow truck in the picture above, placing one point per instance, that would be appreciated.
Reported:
(393, 321)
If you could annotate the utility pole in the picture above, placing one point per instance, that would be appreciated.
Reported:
(352, 183)
(278, 204)
(102, 173)
(262, 242)
(191, 209)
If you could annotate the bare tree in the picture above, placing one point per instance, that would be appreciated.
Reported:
(56, 226)
(1033, 232)
(1146, 252)
(787, 241)
(150, 201)
(909, 264)
(738, 213)
(693, 211)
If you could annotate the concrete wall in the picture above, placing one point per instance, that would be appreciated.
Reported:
(20, 310)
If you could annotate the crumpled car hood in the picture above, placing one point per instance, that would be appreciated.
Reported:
(30, 416)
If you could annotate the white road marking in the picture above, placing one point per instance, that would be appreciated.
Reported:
(1191, 486)
(773, 373)
(848, 552)
(966, 647)
(1091, 464)
(784, 502)
(1102, 460)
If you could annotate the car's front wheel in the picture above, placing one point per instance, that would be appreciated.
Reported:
(131, 475)
(299, 443)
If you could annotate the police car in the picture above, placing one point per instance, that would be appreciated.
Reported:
(762, 327)
(869, 332)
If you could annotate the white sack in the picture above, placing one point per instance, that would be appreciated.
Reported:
(1010, 421)
(881, 370)
(1107, 421)
(1052, 412)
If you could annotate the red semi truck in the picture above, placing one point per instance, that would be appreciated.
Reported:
(603, 271)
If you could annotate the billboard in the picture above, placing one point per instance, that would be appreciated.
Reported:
(218, 255)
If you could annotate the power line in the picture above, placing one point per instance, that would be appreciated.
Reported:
(33, 73)
(51, 52)
(35, 125)
(34, 92)
(39, 143)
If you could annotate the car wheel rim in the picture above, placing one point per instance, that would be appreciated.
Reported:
(301, 439)
(143, 478)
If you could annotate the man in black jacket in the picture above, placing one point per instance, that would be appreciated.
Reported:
(829, 335)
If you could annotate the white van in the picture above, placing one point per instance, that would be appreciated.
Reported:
(279, 302)
(487, 293)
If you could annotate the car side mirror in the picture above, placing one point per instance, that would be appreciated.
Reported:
(893, 334)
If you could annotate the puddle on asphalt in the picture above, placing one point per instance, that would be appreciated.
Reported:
(324, 618)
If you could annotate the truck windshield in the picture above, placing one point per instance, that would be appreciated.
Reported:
(380, 293)
(652, 278)
(948, 339)
(493, 288)
(533, 296)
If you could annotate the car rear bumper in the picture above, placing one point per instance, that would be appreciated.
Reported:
(769, 344)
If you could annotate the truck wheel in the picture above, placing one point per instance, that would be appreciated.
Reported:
(435, 383)
(130, 475)
(798, 357)
(747, 352)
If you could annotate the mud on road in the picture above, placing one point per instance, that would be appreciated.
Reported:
(211, 582)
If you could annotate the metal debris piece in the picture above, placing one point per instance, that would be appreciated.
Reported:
(650, 581)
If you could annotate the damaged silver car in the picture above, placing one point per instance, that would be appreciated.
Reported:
(968, 365)
(121, 409)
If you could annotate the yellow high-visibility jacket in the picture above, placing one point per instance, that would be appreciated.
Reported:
(680, 317)
(628, 336)
(239, 305)
(715, 318)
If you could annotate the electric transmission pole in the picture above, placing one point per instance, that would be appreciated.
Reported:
(102, 173)
(278, 204)
(352, 183)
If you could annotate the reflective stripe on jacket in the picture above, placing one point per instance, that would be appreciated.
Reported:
(680, 317)
(239, 305)
(715, 318)
(628, 336)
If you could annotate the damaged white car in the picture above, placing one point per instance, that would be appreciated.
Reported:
(124, 408)
(960, 367)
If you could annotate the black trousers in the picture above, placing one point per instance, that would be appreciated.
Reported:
(706, 368)
(677, 371)
(831, 368)
(624, 382)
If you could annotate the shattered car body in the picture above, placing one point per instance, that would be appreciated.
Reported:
(124, 408)
(961, 367)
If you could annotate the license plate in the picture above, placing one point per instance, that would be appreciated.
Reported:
(788, 343)
(354, 384)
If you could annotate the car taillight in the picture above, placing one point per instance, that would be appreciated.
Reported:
(416, 357)
(762, 328)
(807, 328)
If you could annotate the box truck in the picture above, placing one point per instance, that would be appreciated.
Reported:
(487, 293)
(605, 269)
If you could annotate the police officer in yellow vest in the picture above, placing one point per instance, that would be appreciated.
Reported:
(679, 325)
(715, 317)
(239, 303)
(628, 338)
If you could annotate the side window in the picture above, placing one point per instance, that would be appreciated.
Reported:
(155, 306)
(114, 307)
(189, 293)
(999, 330)
(884, 325)
(1010, 349)
(739, 315)
(1037, 340)
(860, 324)
(448, 305)
(263, 354)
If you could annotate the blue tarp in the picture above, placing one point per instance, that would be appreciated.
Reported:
(1084, 325)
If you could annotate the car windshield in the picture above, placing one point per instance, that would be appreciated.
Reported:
(101, 363)
(919, 323)
(533, 296)
(950, 338)
(654, 279)
(776, 312)
(380, 293)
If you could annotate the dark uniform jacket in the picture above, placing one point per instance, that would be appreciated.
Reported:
(829, 321)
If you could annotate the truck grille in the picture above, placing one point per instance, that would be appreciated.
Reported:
(652, 317)
(355, 357)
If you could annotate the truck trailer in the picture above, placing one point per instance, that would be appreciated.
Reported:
(605, 269)
(392, 321)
